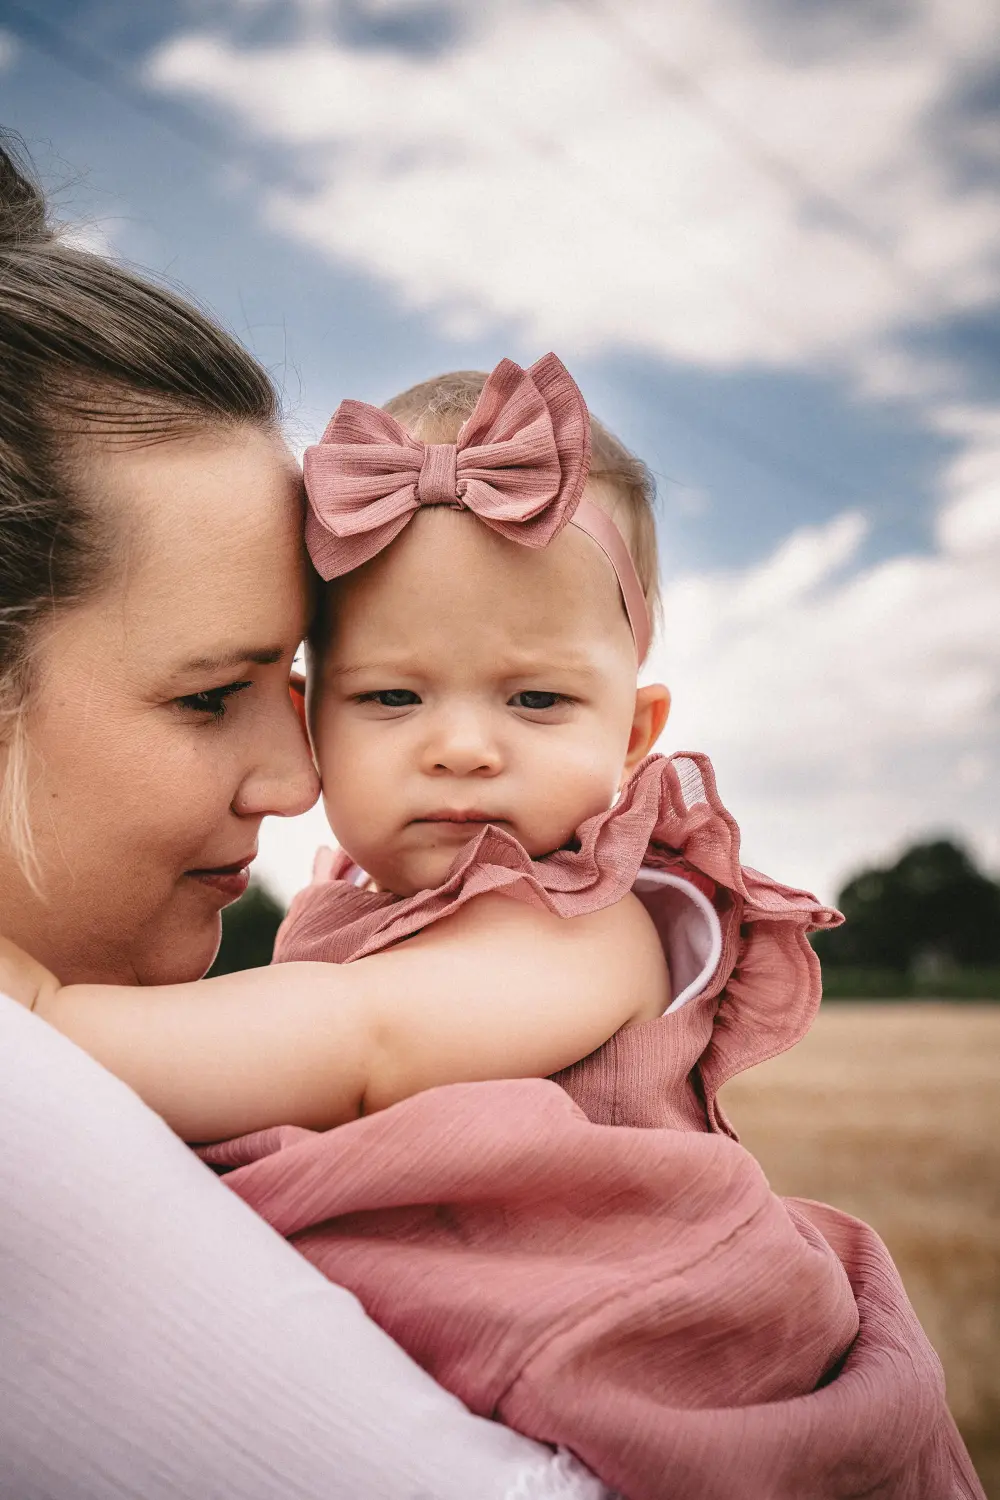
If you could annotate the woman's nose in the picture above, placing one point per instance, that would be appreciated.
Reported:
(463, 745)
(286, 783)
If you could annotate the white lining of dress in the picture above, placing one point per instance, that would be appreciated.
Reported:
(648, 879)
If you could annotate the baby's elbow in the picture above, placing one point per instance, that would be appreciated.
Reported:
(381, 1081)
(381, 1091)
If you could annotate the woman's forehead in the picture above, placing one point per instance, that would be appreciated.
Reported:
(206, 486)
(205, 505)
(209, 558)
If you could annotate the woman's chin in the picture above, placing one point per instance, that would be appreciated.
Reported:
(183, 954)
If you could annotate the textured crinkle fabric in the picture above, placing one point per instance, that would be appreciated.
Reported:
(520, 464)
(594, 1259)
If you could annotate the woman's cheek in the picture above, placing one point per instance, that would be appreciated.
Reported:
(204, 784)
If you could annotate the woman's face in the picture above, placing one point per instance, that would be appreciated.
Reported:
(160, 723)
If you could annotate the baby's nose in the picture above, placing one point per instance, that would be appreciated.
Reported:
(464, 746)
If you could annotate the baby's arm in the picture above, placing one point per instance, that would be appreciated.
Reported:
(503, 990)
(500, 990)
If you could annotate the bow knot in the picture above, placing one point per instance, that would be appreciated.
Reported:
(437, 482)
(520, 464)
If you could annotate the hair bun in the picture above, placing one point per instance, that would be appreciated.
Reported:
(22, 206)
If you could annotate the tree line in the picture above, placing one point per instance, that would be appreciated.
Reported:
(927, 924)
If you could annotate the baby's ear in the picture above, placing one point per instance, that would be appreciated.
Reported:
(297, 693)
(652, 707)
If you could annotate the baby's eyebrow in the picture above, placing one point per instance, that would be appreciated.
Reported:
(537, 666)
(532, 666)
(369, 666)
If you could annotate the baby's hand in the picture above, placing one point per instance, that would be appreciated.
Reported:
(23, 978)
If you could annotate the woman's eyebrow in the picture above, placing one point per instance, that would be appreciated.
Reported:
(228, 659)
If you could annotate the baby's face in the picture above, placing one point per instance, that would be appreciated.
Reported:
(467, 680)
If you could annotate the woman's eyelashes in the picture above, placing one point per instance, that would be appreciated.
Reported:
(211, 702)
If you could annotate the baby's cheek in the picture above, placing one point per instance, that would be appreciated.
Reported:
(346, 805)
(557, 817)
(347, 789)
(584, 789)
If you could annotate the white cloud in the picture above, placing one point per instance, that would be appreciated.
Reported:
(8, 50)
(970, 521)
(558, 173)
(848, 713)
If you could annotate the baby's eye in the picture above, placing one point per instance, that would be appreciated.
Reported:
(390, 698)
(533, 700)
(213, 700)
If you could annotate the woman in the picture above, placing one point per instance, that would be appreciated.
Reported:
(158, 1340)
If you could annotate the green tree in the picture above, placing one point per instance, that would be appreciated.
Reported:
(932, 908)
(249, 928)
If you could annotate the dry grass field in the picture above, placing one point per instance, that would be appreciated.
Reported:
(892, 1111)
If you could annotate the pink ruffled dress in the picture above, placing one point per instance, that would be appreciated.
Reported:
(594, 1259)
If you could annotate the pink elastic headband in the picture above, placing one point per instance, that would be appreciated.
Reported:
(520, 464)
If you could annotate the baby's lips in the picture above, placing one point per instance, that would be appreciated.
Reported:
(460, 816)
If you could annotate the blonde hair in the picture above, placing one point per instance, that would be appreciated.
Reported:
(434, 410)
(15, 826)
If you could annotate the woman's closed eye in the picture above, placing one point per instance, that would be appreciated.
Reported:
(211, 702)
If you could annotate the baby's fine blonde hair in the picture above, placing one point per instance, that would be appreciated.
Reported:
(621, 484)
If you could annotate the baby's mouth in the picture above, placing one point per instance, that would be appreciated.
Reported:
(470, 817)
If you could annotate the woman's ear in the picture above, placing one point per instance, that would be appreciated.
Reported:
(652, 706)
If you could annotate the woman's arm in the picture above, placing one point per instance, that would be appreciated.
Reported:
(500, 990)
(159, 1340)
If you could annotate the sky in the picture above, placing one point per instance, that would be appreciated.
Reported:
(764, 235)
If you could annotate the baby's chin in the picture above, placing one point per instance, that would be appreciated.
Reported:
(423, 873)
(417, 870)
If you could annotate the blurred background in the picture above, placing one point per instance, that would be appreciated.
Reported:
(765, 235)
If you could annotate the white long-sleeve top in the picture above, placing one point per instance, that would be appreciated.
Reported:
(158, 1341)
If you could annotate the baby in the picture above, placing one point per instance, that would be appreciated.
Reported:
(592, 1259)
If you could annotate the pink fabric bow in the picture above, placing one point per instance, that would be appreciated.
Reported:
(520, 463)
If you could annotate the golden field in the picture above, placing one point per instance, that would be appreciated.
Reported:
(892, 1112)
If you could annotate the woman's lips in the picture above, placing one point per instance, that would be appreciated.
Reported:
(230, 881)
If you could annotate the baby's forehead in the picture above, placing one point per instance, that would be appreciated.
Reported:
(450, 590)
(447, 564)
